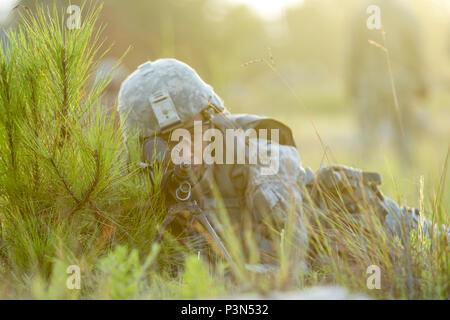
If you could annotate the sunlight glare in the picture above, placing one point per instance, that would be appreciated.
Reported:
(5, 8)
(268, 8)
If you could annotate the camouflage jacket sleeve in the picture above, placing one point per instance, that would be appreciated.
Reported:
(273, 194)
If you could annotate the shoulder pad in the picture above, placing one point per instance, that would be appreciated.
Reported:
(250, 121)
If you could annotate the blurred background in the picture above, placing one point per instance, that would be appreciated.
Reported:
(310, 64)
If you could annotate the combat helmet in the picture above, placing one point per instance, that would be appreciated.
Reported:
(161, 95)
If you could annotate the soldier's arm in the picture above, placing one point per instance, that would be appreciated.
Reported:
(275, 200)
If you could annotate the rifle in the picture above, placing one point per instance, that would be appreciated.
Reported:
(177, 182)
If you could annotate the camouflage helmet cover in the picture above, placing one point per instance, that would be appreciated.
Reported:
(170, 78)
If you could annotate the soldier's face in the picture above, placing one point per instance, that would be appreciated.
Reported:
(189, 125)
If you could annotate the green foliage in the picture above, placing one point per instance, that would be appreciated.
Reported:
(121, 274)
(65, 185)
(69, 195)
(197, 281)
(54, 163)
(55, 287)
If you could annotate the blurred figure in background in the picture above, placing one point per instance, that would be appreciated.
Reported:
(7, 17)
(110, 68)
(369, 78)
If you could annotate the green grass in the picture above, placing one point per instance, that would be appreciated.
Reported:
(71, 195)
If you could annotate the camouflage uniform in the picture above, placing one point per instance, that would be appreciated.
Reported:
(242, 190)
(162, 95)
(337, 189)
(369, 80)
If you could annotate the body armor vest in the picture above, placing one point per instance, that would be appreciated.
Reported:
(222, 186)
